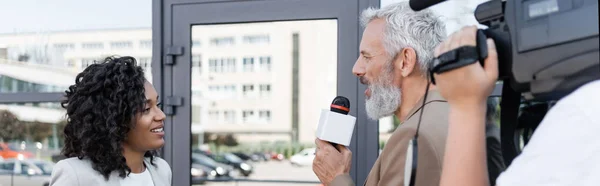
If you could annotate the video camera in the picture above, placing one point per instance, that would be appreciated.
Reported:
(546, 49)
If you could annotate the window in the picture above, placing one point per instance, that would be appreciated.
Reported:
(248, 64)
(248, 90)
(9, 166)
(94, 45)
(64, 46)
(247, 116)
(264, 116)
(265, 90)
(145, 62)
(221, 65)
(283, 120)
(265, 64)
(229, 116)
(146, 44)
(255, 39)
(121, 44)
(212, 65)
(70, 63)
(213, 115)
(197, 63)
(86, 62)
(195, 43)
(24, 168)
(222, 91)
(230, 65)
(222, 41)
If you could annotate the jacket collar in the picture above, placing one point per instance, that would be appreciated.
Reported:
(432, 96)
(152, 170)
(116, 180)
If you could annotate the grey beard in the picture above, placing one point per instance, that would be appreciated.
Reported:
(385, 98)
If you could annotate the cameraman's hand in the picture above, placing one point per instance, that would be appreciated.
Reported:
(471, 84)
(466, 90)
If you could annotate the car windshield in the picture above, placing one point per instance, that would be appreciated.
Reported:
(232, 158)
(45, 166)
(12, 147)
(198, 158)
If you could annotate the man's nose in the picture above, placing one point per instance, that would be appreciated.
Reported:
(358, 69)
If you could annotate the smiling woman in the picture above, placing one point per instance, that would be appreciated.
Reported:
(114, 125)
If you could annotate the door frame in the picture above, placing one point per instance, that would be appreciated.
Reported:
(172, 22)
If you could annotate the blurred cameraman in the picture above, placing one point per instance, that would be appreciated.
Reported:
(562, 151)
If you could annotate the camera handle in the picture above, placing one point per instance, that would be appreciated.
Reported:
(460, 57)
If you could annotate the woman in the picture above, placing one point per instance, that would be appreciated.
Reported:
(114, 125)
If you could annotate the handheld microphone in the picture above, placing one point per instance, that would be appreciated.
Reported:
(335, 125)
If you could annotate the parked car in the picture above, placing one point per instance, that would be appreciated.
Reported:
(260, 156)
(304, 157)
(244, 156)
(199, 174)
(218, 170)
(8, 151)
(230, 159)
(25, 172)
(277, 156)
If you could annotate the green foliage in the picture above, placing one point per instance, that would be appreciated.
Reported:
(15, 130)
(11, 127)
(396, 124)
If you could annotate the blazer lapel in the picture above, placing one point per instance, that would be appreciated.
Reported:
(153, 172)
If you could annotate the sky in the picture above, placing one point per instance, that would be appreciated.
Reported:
(56, 15)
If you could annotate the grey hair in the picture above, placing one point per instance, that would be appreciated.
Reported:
(422, 30)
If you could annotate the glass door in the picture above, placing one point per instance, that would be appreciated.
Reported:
(244, 84)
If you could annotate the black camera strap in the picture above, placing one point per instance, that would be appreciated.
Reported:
(460, 57)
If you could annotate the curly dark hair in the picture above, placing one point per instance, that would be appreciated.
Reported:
(101, 108)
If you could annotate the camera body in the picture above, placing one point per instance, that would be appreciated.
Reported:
(546, 48)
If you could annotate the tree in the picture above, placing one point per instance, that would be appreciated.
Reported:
(230, 140)
(220, 139)
(39, 131)
(11, 126)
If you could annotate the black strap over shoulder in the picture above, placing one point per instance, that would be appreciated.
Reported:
(460, 57)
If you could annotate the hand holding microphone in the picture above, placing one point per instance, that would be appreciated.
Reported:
(334, 134)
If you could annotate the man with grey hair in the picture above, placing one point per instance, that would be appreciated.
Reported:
(396, 49)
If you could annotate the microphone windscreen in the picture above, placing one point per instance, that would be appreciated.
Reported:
(418, 5)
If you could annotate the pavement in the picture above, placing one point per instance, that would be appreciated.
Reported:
(275, 170)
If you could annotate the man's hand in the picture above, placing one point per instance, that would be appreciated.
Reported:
(330, 161)
(471, 84)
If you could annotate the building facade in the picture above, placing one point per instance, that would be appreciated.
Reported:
(259, 81)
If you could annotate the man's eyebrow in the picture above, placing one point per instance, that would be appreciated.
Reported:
(365, 53)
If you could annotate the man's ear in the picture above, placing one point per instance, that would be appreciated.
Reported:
(408, 56)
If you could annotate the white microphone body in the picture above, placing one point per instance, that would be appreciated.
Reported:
(335, 127)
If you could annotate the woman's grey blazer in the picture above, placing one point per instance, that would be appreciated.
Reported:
(76, 172)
